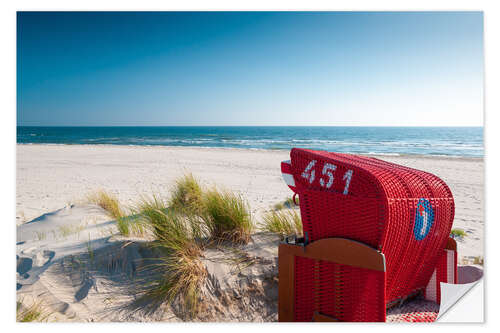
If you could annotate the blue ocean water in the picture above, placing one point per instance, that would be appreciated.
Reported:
(450, 141)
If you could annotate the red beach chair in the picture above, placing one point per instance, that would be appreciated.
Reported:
(375, 234)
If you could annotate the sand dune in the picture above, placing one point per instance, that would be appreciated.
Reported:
(90, 273)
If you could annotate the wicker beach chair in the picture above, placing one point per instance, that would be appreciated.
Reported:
(375, 234)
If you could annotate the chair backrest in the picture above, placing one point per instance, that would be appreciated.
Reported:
(405, 213)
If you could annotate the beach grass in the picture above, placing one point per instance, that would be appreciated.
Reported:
(458, 233)
(167, 223)
(108, 202)
(126, 224)
(33, 313)
(175, 231)
(478, 260)
(180, 236)
(182, 227)
(227, 216)
(282, 222)
(182, 275)
(187, 195)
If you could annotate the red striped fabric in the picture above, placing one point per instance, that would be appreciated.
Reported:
(286, 172)
(445, 271)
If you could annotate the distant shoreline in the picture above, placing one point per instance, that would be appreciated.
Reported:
(395, 155)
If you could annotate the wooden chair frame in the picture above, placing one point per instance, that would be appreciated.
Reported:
(339, 250)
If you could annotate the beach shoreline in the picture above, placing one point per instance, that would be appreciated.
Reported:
(51, 176)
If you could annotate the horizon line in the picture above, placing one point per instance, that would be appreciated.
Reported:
(249, 125)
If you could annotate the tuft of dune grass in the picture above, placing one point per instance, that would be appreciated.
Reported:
(458, 233)
(187, 195)
(126, 224)
(227, 216)
(182, 275)
(108, 202)
(179, 236)
(478, 260)
(282, 222)
(173, 230)
(32, 313)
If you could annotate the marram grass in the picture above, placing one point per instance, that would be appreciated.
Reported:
(227, 216)
(182, 275)
(282, 222)
(458, 233)
(180, 237)
(33, 313)
(126, 225)
(108, 202)
(187, 195)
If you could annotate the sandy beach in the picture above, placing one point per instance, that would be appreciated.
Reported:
(71, 258)
(51, 176)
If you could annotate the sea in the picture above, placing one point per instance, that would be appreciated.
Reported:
(441, 141)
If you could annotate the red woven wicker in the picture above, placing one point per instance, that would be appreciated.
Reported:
(405, 213)
(343, 292)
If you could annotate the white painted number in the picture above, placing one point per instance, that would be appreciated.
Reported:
(327, 170)
(306, 173)
(347, 178)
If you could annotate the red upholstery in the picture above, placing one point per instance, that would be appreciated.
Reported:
(405, 213)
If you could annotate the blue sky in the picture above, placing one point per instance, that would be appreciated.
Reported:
(292, 68)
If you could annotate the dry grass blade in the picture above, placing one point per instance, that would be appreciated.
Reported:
(112, 206)
(108, 202)
(33, 313)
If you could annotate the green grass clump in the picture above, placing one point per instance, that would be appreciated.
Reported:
(187, 195)
(30, 314)
(282, 222)
(175, 231)
(227, 216)
(458, 233)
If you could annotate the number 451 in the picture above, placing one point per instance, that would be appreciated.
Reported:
(328, 169)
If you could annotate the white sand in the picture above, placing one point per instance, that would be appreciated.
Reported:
(69, 256)
(51, 176)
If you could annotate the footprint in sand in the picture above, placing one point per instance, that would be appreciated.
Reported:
(42, 258)
(24, 265)
(88, 282)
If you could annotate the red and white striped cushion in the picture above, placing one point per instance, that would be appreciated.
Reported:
(445, 271)
(286, 172)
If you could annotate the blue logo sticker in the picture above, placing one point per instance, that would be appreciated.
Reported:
(424, 218)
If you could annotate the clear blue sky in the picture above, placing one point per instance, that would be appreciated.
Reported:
(352, 68)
